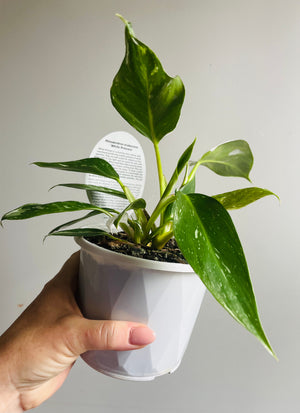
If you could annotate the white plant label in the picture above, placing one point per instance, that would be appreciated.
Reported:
(126, 155)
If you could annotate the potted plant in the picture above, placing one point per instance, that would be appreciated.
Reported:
(192, 228)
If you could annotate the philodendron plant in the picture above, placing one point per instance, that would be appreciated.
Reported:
(151, 101)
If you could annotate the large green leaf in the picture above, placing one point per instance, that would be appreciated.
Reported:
(232, 158)
(208, 240)
(95, 188)
(242, 197)
(33, 210)
(96, 166)
(146, 97)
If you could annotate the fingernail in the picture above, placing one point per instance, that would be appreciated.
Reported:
(141, 336)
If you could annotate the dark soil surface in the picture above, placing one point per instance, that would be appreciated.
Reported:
(170, 252)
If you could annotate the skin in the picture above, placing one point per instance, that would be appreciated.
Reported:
(39, 349)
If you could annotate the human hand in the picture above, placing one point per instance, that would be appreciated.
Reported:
(39, 349)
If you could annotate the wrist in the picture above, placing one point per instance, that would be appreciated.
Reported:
(9, 400)
(9, 395)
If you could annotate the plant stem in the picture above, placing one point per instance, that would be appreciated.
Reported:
(140, 214)
(160, 241)
(185, 179)
(193, 171)
(163, 203)
(159, 169)
(126, 191)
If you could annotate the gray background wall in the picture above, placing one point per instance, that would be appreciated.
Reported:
(240, 64)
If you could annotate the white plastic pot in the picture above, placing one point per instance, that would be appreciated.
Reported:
(165, 296)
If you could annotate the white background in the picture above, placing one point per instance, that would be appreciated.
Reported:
(240, 64)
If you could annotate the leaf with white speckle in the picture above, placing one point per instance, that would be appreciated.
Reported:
(208, 240)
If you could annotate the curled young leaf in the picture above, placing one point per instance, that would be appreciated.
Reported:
(181, 164)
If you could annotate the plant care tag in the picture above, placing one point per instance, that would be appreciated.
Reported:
(126, 155)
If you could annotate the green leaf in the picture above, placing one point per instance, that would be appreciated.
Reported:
(139, 203)
(95, 188)
(229, 159)
(96, 166)
(33, 210)
(74, 221)
(81, 232)
(144, 95)
(242, 197)
(208, 240)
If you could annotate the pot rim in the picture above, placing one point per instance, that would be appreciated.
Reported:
(140, 262)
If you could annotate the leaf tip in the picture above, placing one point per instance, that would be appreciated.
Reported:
(4, 217)
(265, 342)
(277, 197)
(121, 17)
(126, 22)
(273, 194)
(271, 351)
(193, 143)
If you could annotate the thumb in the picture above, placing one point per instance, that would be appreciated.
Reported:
(110, 335)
